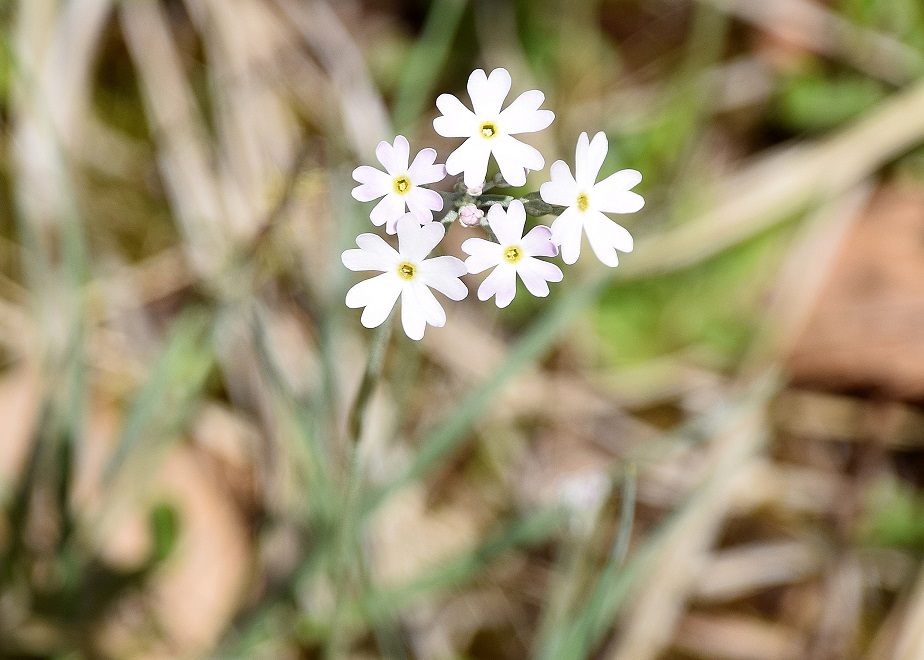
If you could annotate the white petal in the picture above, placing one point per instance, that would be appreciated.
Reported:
(416, 242)
(470, 157)
(376, 245)
(612, 195)
(413, 317)
(457, 120)
(538, 242)
(605, 237)
(422, 202)
(423, 171)
(508, 227)
(387, 211)
(514, 157)
(375, 183)
(588, 159)
(401, 153)
(483, 254)
(566, 233)
(386, 155)
(362, 260)
(524, 115)
(488, 92)
(442, 274)
(536, 274)
(433, 311)
(562, 189)
(501, 283)
(377, 295)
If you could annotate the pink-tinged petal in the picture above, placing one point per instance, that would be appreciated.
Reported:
(433, 312)
(524, 115)
(401, 153)
(377, 295)
(362, 260)
(605, 237)
(423, 170)
(612, 195)
(589, 159)
(488, 92)
(413, 317)
(470, 157)
(386, 155)
(514, 157)
(442, 274)
(422, 202)
(501, 283)
(416, 242)
(536, 274)
(508, 227)
(538, 242)
(374, 183)
(375, 244)
(566, 233)
(387, 211)
(457, 120)
(562, 189)
(482, 254)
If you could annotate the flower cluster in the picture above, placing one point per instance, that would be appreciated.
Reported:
(407, 208)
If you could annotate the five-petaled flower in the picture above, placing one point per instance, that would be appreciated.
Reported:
(587, 201)
(401, 185)
(514, 255)
(406, 272)
(489, 129)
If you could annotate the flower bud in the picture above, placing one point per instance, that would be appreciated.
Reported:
(474, 191)
(470, 215)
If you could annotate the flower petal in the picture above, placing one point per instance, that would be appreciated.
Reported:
(566, 233)
(434, 313)
(375, 183)
(536, 274)
(470, 157)
(488, 92)
(442, 274)
(401, 153)
(423, 171)
(457, 120)
(482, 254)
(377, 295)
(514, 158)
(605, 237)
(562, 189)
(612, 195)
(422, 202)
(538, 242)
(388, 211)
(413, 317)
(376, 245)
(362, 260)
(416, 242)
(508, 227)
(524, 115)
(386, 155)
(501, 283)
(588, 159)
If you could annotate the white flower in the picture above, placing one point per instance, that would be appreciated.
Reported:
(587, 201)
(489, 129)
(401, 184)
(407, 273)
(514, 255)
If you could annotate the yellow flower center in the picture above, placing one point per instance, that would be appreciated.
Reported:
(513, 254)
(402, 185)
(582, 202)
(488, 130)
(406, 271)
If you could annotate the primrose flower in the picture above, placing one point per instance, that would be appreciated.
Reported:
(514, 255)
(406, 272)
(400, 185)
(587, 201)
(489, 129)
